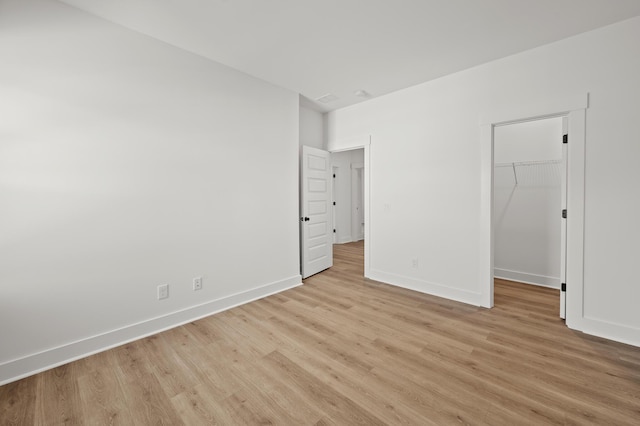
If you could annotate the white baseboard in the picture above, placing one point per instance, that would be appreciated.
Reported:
(32, 364)
(433, 289)
(527, 278)
(606, 329)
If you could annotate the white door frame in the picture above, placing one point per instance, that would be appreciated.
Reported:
(334, 195)
(574, 108)
(350, 145)
(563, 223)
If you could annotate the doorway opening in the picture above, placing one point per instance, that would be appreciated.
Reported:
(348, 195)
(529, 194)
(574, 108)
(349, 203)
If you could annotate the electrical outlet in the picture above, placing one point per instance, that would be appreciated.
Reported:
(414, 262)
(163, 291)
(197, 283)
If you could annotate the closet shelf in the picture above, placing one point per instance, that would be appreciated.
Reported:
(532, 171)
(527, 163)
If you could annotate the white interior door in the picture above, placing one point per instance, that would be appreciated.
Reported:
(316, 228)
(563, 226)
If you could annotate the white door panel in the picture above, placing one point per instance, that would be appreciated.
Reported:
(315, 221)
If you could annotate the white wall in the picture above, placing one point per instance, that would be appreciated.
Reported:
(527, 201)
(126, 163)
(537, 140)
(342, 162)
(311, 128)
(426, 170)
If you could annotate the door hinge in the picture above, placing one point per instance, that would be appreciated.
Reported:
(564, 213)
(563, 287)
(565, 138)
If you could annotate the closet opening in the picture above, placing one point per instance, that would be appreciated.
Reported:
(529, 196)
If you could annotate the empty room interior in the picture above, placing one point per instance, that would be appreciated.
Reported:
(319, 212)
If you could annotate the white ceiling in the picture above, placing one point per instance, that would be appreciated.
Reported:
(317, 47)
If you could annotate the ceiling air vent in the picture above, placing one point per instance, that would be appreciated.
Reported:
(362, 93)
(329, 97)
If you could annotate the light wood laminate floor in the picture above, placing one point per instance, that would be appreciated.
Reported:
(345, 350)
